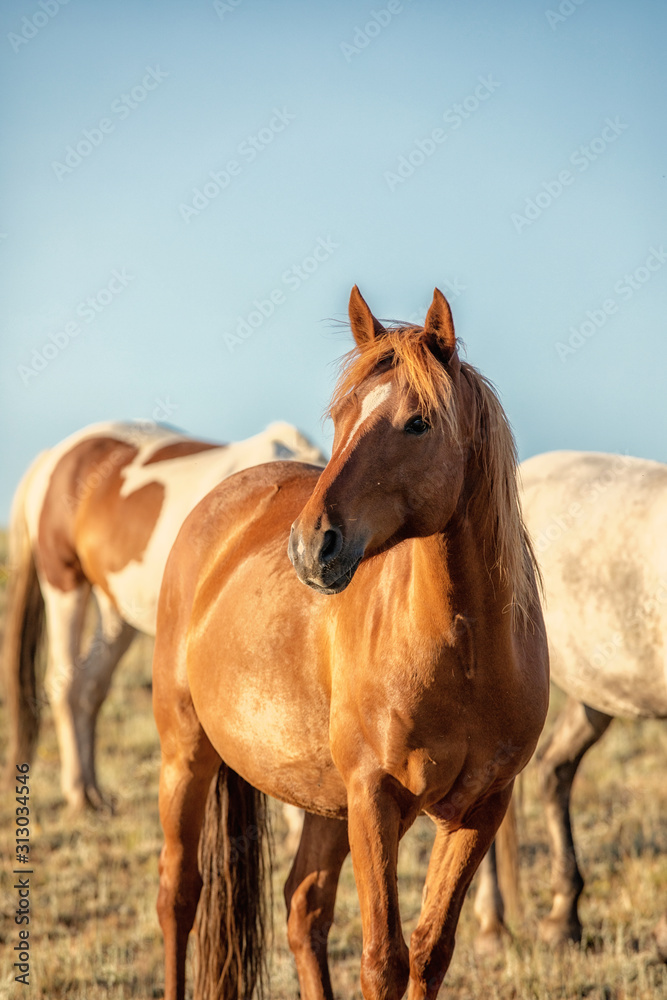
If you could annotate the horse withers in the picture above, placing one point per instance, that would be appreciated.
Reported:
(99, 513)
(366, 644)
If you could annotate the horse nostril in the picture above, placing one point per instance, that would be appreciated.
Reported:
(332, 543)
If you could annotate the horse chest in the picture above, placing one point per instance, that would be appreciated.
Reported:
(412, 721)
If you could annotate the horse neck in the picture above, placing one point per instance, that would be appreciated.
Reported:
(462, 559)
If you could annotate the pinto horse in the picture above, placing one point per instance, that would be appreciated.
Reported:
(366, 644)
(598, 522)
(99, 512)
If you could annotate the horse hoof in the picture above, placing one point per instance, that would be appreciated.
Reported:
(660, 935)
(90, 801)
(558, 933)
(98, 803)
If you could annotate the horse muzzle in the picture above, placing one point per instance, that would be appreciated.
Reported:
(323, 561)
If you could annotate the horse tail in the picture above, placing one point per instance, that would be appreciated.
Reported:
(507, 861)
(233, 914)
(24, 627)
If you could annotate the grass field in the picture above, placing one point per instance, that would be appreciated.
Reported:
(94, 932)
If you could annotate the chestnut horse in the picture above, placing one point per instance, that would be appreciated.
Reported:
(398, 666)
(99, 512)
(598, 524)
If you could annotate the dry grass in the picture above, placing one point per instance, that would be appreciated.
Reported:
(94, 933)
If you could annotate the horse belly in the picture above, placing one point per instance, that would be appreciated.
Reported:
(615, 667)
(276, 752)
(268, 717)
(606, 618)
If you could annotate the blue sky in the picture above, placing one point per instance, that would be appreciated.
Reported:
(513, 154)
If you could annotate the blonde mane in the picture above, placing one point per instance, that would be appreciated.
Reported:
(405, 349)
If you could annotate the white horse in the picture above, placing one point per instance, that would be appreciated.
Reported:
(99, 513)
(599, 527)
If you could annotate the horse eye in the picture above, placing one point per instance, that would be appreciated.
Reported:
(416, 426)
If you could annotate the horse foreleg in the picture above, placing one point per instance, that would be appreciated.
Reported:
(90, 687)
(188, 765)
(455, 857)
(310, 895)
(375, 825)
(576, 729)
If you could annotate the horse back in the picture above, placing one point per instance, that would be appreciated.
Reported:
(84, 523)
(108, 502)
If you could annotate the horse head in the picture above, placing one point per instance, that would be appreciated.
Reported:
(398, 460)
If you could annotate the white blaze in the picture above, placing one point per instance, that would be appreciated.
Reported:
(372, 400)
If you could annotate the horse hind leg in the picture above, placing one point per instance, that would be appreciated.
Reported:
(500, 866)
(111, 639)
(489, 907)
(577, 729)
(189, 762)
(65, 612)
(294, 818)
(310, 895)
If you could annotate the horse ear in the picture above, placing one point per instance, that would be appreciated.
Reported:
(365, 327)
(439, 327)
